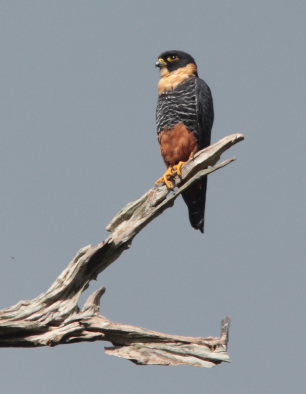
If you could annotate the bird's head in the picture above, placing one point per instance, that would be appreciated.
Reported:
(170, 61)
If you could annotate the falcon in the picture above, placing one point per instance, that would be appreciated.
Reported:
(184, 118)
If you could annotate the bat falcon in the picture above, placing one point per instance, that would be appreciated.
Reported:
(184, 118)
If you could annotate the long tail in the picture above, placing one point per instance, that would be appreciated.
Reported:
(195, 198)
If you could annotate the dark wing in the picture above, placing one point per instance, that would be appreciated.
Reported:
(195, 196)
(205, 113)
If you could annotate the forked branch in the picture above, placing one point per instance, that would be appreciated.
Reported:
(54, 317)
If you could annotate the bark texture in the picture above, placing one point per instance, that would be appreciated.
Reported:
(54, 317)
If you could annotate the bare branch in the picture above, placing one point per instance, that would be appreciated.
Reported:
(55, 318)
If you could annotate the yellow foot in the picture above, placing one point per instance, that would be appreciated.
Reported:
(166, 178)
(178, 167)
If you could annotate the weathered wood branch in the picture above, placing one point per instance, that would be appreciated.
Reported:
(54, 317)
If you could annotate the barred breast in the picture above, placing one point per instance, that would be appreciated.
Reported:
(178, 106)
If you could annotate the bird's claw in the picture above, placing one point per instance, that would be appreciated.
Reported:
(178, 168)
(170, 174)
(167, 178)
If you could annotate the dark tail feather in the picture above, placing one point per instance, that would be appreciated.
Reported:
(195, 198)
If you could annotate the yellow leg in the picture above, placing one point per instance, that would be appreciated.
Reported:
(178, 167)
(171, 172)
(166, 178)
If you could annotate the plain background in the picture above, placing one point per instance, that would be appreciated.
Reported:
(77, 100)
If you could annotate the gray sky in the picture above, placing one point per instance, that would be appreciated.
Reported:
(77, 98)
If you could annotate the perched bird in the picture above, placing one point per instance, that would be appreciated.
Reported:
(184, 118)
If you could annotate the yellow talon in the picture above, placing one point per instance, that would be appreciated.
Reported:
(166, 178)
(178, 167)
(171, 172)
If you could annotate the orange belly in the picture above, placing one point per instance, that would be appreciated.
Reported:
(177, 144)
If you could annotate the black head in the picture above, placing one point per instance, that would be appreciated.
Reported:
(172, 60)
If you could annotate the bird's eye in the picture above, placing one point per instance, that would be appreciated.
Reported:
(172, 58)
